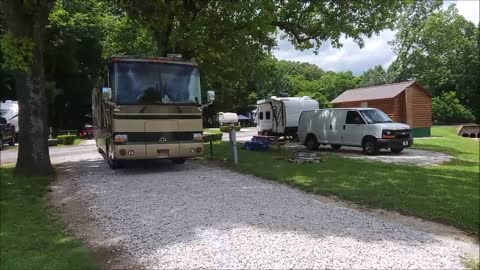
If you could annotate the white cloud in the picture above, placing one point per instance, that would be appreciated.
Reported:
(375, 52)
(469, 9)
(350, 57)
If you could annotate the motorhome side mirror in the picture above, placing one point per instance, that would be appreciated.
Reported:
(210, 96)
(3, 121)
(106, 93)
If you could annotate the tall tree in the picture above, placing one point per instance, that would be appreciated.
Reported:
(375, 76)
(441, 51)
(23, 47)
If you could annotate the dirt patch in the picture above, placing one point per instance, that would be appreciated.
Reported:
(108, 253)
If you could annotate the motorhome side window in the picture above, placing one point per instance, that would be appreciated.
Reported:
(267, 115)
(353, 117)
(261, 115)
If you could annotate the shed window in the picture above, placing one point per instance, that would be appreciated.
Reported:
(267, 116)
(353, 117)
(261, 116)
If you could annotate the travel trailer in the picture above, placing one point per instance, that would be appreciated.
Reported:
(368, 128)
(9, 111)
(149, 108)
(279, 116)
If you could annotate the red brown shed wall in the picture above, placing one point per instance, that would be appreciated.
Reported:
(421, 108)
(386, 105)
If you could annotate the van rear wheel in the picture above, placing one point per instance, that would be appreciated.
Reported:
(371, 147)
(312, 143)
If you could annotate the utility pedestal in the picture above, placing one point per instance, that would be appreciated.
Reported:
(233, 142)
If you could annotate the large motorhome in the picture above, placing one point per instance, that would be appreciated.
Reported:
(279, 115)
(149, 108)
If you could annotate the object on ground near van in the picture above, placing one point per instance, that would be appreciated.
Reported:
(265, 139)
(256, 146)
(279, 115)
(303, 156)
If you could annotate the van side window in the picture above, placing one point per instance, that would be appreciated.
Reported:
(267, 115)
(261, 115)
(353, 117)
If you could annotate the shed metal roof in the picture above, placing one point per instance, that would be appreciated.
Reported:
(384, 91)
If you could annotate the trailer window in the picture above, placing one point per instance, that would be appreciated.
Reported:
(267, 116)
(261, 116)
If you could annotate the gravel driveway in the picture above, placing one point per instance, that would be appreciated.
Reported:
(194, 216)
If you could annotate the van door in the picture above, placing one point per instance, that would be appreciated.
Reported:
(353, 129)
(334, 126)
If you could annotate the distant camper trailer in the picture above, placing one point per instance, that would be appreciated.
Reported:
(279, 115)
(9, 111)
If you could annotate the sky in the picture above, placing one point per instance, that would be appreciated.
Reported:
(375, 52)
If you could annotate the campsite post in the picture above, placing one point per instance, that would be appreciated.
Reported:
(233, 142)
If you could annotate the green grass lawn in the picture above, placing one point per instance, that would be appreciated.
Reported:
(447, 193)
(30, 238)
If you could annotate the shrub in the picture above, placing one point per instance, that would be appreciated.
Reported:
(66, 139)
(447, 109)
(212, 137)
(227, 128)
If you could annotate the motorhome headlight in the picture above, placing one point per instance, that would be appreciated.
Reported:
(388, 134)
(120, 138)
(198, 137)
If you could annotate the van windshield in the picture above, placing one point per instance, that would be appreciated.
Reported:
(157, 83)
(375, 116)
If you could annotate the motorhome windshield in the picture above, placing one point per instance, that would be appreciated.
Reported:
(375, 116)
(156, 83)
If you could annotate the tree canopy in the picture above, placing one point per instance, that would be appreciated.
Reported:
(439, 48)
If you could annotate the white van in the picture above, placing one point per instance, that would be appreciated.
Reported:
(9, 111)
(368, 128)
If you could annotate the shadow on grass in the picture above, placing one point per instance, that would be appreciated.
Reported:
(30, 237)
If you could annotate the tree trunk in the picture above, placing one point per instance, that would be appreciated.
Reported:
(28, 19)
(162, 40)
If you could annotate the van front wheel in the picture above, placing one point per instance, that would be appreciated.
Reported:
(370, 147)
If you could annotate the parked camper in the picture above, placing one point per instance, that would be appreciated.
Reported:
(9, 111)
(368, 128)
(279, 115)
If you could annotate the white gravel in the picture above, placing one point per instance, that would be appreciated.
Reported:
(193, 216)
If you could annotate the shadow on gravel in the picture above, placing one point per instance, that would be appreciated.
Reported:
(152, 206)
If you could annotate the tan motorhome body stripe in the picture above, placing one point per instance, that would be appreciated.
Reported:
(156, 125)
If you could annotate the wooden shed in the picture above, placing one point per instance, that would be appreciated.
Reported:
(405, 102)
